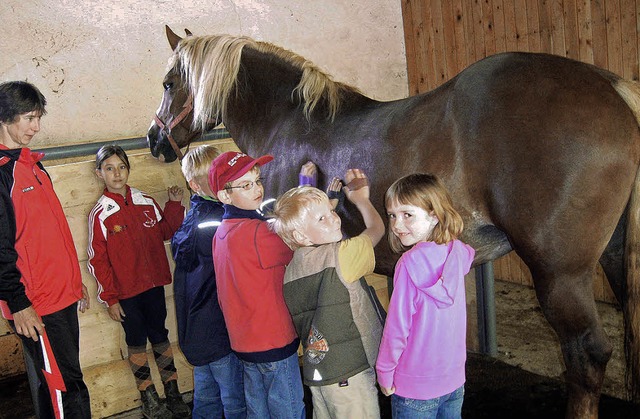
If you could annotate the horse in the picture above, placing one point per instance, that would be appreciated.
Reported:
(540, 153)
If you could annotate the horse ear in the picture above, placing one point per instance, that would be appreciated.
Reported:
(188, 32)
(172, 37)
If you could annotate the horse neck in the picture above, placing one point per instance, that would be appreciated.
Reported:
(264, 85)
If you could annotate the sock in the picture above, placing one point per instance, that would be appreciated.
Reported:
(140, 366)
(164, 359)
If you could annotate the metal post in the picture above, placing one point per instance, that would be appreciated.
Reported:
(486, 309)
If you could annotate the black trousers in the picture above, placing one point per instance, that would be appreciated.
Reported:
(145, 316)
(62, 349)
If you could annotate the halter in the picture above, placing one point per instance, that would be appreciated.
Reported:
(187, 108)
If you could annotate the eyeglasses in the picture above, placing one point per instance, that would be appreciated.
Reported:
(248, 185)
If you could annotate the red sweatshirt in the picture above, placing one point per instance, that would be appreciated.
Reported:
(126, 243)
(38, 261)
(249, 261)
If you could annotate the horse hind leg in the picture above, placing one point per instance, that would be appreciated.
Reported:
(568, 304)
(613, 262)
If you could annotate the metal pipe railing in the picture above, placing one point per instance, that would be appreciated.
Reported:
(90, 149)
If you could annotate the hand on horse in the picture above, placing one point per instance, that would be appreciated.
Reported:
(308, 174)
(175, 193)
(28, 323)
(357, 191)
(357, 186)
(334, 192)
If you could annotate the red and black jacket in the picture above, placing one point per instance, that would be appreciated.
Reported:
(38, 260)
(126, 249)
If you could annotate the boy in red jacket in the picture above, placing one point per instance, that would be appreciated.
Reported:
(249, 261)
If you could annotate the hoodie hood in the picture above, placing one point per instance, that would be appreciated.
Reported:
(447, 261)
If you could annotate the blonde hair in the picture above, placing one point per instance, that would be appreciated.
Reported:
(425, 191)
(210, 65)
(196, 162)
(290, 210)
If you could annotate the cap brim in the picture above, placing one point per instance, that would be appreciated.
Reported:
(259, 161)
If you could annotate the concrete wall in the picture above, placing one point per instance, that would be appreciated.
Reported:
(100, 63)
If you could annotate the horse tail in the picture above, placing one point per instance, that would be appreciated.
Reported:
(631, 304)
(630, 93)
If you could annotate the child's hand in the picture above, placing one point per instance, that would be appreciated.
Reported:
(308, 174)
(334, 192)
(175, 193)
(387, 391)
(116, 312)
(357, 187)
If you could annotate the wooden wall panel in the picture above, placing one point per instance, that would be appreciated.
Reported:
(444, 37)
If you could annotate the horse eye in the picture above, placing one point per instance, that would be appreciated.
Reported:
(167, 85)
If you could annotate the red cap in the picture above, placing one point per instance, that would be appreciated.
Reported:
(230, 166)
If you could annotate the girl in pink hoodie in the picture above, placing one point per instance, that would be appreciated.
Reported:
(421, 363)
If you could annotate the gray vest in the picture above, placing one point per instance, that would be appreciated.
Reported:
(338, 323)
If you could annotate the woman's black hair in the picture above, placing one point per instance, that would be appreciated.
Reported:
(19, 97)
(109, 150)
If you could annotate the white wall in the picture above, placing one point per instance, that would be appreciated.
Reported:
(100, 63)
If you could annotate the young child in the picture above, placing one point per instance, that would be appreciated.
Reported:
(329, 299)
(202, 332)
(249, 261)
(126, 251)
(422, 356)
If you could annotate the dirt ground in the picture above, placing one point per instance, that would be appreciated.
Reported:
(523, 381)
(526, 340)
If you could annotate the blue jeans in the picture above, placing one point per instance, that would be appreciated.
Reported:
(274, 389)
(448, 406)
(217, 387)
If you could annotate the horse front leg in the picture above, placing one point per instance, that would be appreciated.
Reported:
(568, 304)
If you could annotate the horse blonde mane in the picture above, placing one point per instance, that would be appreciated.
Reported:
(210, 64)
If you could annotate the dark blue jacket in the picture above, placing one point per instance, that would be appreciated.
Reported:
(202, 333)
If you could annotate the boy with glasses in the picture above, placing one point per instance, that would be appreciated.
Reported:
(250, 261)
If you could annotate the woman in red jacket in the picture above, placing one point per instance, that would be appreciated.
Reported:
(127, 230)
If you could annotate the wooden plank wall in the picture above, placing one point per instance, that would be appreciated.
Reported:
(443, 37)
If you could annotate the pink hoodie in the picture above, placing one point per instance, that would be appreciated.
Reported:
(423, 348)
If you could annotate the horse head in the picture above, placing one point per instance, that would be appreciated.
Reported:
(173, 125)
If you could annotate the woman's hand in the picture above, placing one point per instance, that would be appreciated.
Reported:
(83, 304)
(28, 323)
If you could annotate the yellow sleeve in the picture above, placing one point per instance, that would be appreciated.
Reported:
(356, 258)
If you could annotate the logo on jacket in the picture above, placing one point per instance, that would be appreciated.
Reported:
(117, 229)
(317, 346)
(27, 189)
(150, 221)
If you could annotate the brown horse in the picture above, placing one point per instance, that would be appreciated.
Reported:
(541, 155)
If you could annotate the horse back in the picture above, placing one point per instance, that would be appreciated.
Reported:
(539, 146)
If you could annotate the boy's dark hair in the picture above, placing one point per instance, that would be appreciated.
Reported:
(18, 97)
(107, 151)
